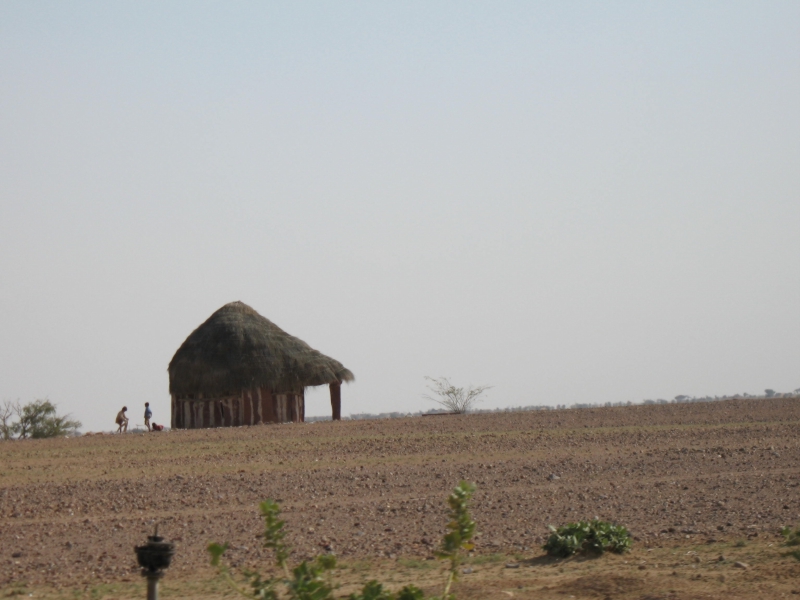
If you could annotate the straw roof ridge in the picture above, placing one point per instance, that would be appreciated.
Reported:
(237, 349)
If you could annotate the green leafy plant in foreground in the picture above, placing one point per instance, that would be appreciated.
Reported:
(792, 538)
(307, 580)
(587, 537)
(304, 582)
(461, 531)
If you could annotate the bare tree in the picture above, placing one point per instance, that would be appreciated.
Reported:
(455, 399)
(8, 410)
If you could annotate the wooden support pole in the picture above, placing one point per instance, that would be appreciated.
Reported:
(336, 400)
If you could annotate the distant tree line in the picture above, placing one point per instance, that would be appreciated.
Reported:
(35, 420)
(680, 399)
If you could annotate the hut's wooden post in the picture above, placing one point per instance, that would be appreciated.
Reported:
(301, 402)
(336, 400)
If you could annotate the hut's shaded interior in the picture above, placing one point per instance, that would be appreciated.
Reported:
(239, 368)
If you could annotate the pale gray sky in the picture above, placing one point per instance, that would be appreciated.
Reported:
(570, 201)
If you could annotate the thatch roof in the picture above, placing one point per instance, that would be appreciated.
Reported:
(238, 349)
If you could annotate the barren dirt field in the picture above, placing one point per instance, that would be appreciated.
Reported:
(700, 486)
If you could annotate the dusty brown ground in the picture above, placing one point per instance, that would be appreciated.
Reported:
(692, 482)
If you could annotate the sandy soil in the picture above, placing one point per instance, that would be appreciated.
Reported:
(700, 486)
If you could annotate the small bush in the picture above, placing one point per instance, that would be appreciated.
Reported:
(374, 591)
(792, 538)
(587, 537)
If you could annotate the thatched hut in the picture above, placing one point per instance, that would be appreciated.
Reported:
(239, 368)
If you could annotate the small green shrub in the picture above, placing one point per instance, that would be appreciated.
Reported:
(792, 538)
(311, 580)
(374, 591)
(587, 537)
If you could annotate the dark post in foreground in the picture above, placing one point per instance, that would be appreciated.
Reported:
(336, 400)
(154, 557)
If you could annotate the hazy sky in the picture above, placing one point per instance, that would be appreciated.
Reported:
(570, 201)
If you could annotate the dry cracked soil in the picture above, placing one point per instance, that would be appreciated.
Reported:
(701, 487)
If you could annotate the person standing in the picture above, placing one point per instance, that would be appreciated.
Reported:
(147, 415)
(122, 420)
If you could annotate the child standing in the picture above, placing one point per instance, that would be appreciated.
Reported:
(147, 415)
